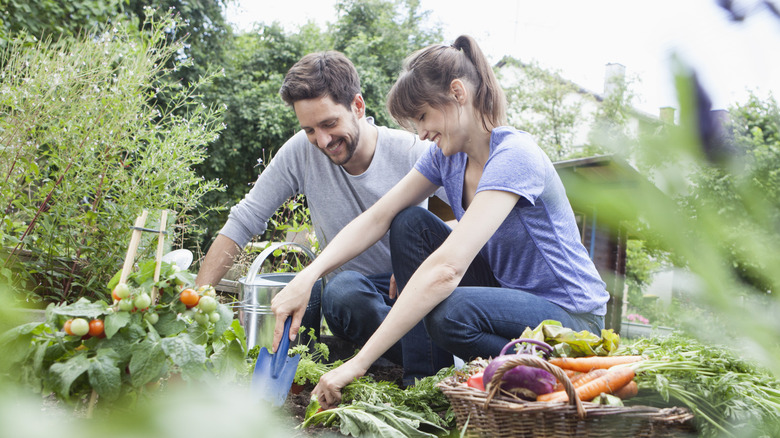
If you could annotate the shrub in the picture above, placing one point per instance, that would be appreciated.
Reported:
(84, 149)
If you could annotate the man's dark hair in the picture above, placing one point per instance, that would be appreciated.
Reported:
(319, 74)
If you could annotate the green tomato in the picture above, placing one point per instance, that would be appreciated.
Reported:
(152, 318)
(207, 290)
(79, 327)
(207, 304)
(142, 301)
(126, 305)
(122, 291)
(214, 317)
(201, 318)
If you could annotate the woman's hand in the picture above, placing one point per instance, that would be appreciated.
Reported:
(328, 389)
(291, 301)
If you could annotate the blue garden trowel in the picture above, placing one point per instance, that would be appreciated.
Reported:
(274, 373)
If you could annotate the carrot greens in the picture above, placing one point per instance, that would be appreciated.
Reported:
(728, 395)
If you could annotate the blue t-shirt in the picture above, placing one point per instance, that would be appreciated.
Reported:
(538, 248)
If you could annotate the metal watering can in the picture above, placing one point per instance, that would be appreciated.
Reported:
(255, 293)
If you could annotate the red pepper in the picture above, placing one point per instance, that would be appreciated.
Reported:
(475, 381)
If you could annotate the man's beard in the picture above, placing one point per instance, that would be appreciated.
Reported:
(350, 146)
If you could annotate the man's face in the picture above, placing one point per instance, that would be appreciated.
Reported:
(329, 126)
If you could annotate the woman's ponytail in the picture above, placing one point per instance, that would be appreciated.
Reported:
(489, 97)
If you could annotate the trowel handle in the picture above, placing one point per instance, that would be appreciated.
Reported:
(280, 357)
(258, 262)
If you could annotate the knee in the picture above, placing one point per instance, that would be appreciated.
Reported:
(440, 325)
(409, 218)
(341, 287)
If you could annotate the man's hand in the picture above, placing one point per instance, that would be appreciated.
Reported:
(393, 291)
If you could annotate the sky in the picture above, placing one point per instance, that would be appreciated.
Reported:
(578, 38)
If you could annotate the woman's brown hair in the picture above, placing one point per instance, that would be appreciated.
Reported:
(428, 73)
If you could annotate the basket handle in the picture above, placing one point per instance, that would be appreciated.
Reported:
(534, 361)
(258, 263)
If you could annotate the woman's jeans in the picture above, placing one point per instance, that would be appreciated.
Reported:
(476, 320)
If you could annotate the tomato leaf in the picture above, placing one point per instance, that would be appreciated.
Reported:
(83, 307)
(185, 353)
(114, 322)
(225, 318)
(65, 373)
(104, 375)
(147, 363)
(169, 324)
(229, 359)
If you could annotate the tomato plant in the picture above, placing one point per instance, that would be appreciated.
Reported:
(133, 346)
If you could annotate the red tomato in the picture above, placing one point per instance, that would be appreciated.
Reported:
(189, 297)
(96, 327)
(475, 381)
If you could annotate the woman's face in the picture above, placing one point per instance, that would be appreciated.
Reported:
(441, 126)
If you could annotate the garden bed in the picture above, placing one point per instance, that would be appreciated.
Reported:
(297, 402)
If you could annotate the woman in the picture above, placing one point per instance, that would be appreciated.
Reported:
(513, 260)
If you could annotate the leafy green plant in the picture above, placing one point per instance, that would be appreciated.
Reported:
(138, 345)
(729, 395)
(371, 408)
(84, 150)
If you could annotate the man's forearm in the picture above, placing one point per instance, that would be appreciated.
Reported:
(219, 259)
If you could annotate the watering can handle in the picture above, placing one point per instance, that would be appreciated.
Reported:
(258, 263)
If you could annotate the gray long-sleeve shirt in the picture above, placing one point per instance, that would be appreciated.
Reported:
(334, 196)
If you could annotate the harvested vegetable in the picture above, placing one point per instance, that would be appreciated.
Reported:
(630, 390)
(585, 364)
(567, 342)
(524, 381)
(608, 400)
(614, 379)
(476, 382)
(582, 379)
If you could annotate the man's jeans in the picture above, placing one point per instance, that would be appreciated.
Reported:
(312, 318)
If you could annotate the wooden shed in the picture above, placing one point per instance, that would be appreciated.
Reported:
(588, 182)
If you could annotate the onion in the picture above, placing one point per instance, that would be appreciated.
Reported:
(524, 381)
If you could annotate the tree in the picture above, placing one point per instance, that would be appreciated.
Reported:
(376, 35)
(545, 105)
(42, 19)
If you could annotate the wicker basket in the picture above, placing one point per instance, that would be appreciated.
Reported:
(487, 414)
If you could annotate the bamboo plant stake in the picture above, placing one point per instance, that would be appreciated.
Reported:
(158, 256)
(135, 239)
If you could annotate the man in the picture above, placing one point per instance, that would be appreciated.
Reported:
(343, 164)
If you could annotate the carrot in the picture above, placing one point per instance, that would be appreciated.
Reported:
(573, 377)
(629, 390)
(585, 364)
(577, 381)
(614, 379)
